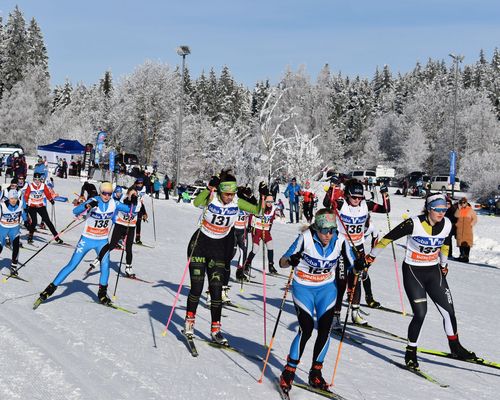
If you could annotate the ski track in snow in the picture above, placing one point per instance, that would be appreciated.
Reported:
(70, 348)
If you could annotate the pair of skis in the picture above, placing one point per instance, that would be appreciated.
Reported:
(325, 393)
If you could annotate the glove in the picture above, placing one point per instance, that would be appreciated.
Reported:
(263, 189)
(369, 260)
(295, 259)
(91, 204)
(133, 199)
(52, 201)
(359, 265)
(145, 217)
(444, 269)
(214, 181)
(383, 189)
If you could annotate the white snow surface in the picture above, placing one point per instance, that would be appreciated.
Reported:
(71, 348)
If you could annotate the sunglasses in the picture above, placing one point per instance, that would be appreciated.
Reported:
(228, 194)
(269, 201)
(106, 193)
(439, 209)
(357, 197)
(326, 231)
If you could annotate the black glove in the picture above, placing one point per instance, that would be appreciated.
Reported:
(295, 259)
(91, 204)
(383, 189)
(52, 201)
(214, 181)
(263, 189)
(359, 265)
(133, 199)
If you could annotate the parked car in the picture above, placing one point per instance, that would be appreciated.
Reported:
(362, 174)
(442, 182)
(10, 148)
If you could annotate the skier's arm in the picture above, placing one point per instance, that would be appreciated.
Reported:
(297, 245)
(202, 199)
(249, 207)
(403, 229)
(379, 208)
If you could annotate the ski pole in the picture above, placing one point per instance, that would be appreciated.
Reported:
(186, 268)
(123, 250)
(66, 229)
(351, 296)
(395, 260)
(154, 221)
(276, 324)
(264, 290)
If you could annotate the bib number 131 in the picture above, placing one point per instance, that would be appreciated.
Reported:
(220, 220)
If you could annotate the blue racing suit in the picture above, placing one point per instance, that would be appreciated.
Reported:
(94, 237)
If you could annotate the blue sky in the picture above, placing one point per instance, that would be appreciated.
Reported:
(258, 39)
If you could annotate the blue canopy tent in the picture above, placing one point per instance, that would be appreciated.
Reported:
(61, 148)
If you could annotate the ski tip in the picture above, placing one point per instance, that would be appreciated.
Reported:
(4, 280)
(114, 298)
(164, 333)
(260, 380)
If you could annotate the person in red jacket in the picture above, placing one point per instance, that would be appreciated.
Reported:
(308, 201)
(35, 197)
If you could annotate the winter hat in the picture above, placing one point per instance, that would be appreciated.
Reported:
(13, 194)
(324, 219)
(106, 187)
(356, 189)
(434, 200)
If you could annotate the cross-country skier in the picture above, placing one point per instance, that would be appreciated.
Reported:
(100, 212)
(241, 233)
(424, 272)
(261, 230)
(36, 197)
(11, 212)
(315, 254)
(143, 215)
(211, 247)
(124, 228)
(353, 212)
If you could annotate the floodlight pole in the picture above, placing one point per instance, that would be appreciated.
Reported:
(183, 51)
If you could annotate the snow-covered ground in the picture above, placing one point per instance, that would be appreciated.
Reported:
(71, 348)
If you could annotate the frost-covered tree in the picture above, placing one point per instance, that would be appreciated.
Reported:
(15, 50)
(37, 52)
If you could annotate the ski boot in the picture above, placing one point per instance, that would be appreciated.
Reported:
(216, 334)
(411, 357)
(225, 295)
(189, 324)
(272, 270)
(138, 239)
(356, 317)
(129, 273)
(371, 302)
(336, 325)
(30, 239)
(13, 268)
(102, 295)
(286, 378)
(59, 241)
(316, 379)
(458, 351)
(49, 290)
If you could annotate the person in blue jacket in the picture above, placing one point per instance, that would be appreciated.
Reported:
(11, 212)
(100, 212)
(292, 194)
(41, 168)
(315, 256)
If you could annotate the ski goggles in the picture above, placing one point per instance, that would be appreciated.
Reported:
(228, 187)
(326, 231)
(439, 209)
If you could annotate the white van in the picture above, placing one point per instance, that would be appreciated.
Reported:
(361, 175)
(442, 182)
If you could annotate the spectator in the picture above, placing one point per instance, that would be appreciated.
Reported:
(466, 219)
(64, 169)
(41, 169)
(156, 186)
(308, 204)
(167, 185)
(292, 194)
(275, 189)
